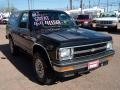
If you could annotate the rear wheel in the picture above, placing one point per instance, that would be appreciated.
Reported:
(116, 29)
(43, 73)
(13, 49)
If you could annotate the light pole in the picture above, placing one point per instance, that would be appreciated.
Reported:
(28, 4)
(119, 7)
(70, 4)
(32, 4)
(81, 5)
(99, 3)
(8, 6)
(107, 5)
(89, 4)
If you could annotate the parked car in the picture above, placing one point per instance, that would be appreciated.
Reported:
(107, 20)
(4, 20)
(83, 20)
(59, 48)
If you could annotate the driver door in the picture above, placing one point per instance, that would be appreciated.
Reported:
(24, 37)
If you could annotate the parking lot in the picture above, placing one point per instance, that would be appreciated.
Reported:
(16, 72)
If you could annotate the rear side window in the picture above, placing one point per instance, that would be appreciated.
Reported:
(13, 20)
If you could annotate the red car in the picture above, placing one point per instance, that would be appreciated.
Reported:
(83, 20)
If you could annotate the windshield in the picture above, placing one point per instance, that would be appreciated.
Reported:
(50, 19)
(108, 15)
(83, 16)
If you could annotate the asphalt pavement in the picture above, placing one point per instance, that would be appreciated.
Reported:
(16, 72)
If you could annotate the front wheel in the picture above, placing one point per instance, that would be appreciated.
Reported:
(113, 29)
(43, 73)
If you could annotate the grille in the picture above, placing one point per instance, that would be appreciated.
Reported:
(105, 22)
(89, 49)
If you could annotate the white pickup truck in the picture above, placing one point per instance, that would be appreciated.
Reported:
(107, 20)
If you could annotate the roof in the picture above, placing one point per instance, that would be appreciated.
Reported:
(41, 10)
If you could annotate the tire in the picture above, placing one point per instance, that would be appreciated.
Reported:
(87, 72)
(116, 29)
(43, 72)
(13, 49)
(113, 30)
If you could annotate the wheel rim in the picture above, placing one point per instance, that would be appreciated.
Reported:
(11, 46)
(39, 68)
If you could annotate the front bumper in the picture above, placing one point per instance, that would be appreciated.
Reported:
(84, 24)
(66, 69)
(79, 71)
(94, 25)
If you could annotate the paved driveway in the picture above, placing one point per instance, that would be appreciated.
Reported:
(16, 72)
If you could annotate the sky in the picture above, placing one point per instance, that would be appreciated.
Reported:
(54, 4)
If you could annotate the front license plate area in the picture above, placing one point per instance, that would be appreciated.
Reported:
(93, 64)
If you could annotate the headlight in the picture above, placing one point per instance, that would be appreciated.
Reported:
(65, 53)
(115, 21)
(109, 45)
(86, 22)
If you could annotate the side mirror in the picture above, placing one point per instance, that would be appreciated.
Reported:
(23, 25)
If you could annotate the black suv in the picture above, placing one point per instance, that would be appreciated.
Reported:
(57, 45)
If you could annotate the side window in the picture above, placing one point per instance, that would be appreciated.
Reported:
(63, 17)
(24, 21)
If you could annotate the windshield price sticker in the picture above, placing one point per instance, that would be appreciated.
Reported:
(43, 19)
(50, 22)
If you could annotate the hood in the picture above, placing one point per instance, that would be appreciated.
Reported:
(76, 36)
(107, 19)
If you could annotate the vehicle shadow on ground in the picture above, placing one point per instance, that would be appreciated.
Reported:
(116, 33)
(23, 63)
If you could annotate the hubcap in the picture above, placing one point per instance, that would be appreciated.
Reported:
(39, 68)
